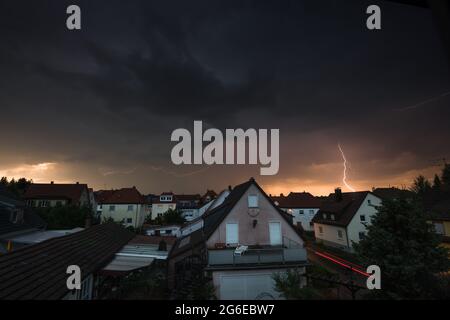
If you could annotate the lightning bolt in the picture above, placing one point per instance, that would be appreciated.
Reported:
(344, 178)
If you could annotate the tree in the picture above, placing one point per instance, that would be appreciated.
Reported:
(421, 186)
(16, 188)
(170, 217)
(445, 177)
(405, 247)
(437, 183)
(64, 217)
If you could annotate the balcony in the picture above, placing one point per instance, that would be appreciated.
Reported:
(256, 257)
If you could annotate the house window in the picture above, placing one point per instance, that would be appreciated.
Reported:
(100, 206)
(340, 234)
(362, 235)
(324, 215)
(44, 203)
(86, 289)
(439, 228)
(112, 208)
(301, 211)
(369, 202)
(129, 220)
(311, 211)
(320, 230)
(332, 217)
(130, 207)
(362, 218)
(253, 201)
(232, 233)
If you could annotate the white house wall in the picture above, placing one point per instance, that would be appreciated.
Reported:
(121, 213)
(355, 226)
(329, 236)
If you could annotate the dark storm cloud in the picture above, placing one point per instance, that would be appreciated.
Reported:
(107, 97)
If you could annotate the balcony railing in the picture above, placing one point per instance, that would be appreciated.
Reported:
(256, 256)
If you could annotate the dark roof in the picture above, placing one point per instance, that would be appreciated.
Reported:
(393, 193)
(39, 271)
(8, 199)
(298, 200)
(343, 210)
(70, 192)
(31, 221)
(120, 196)
(214, 218)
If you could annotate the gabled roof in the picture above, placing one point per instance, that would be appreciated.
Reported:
(214, 218)
(70, 192)
(297, 200)
(39, 271)
(120, 196)
(343, 209)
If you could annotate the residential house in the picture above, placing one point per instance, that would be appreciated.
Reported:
(343, 218)
(126, 205)
(165, 203)
(303, 206)
(197, 223)
(440, 218)
(242, 244)
(188, 205)
(55, 194)
(16, 220)
(392, 193)
(39, 272)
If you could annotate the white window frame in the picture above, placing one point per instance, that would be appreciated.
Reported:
(253, 201)
(231, 241)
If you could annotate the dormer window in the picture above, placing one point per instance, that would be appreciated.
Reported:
(253, 201)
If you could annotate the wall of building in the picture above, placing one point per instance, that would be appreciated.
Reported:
(121, 212)
(264, 290)
(368, 210)
(303, 219)
(249, 235)
(330, 235)
(161, 208)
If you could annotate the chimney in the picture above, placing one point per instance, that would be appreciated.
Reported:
(78, 182)
(52, 182)
(338, 194)
(230, 188)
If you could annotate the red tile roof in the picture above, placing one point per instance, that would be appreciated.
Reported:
(120, 196)
(70, 192)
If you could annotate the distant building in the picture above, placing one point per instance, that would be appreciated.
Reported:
(343, 218)
(303, 206)
(54, 194)
(392, 193)
(440, 218)
(126, 205)
(16, 220)
(165, 203)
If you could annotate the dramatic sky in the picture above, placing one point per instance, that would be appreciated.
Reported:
(99, 105)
